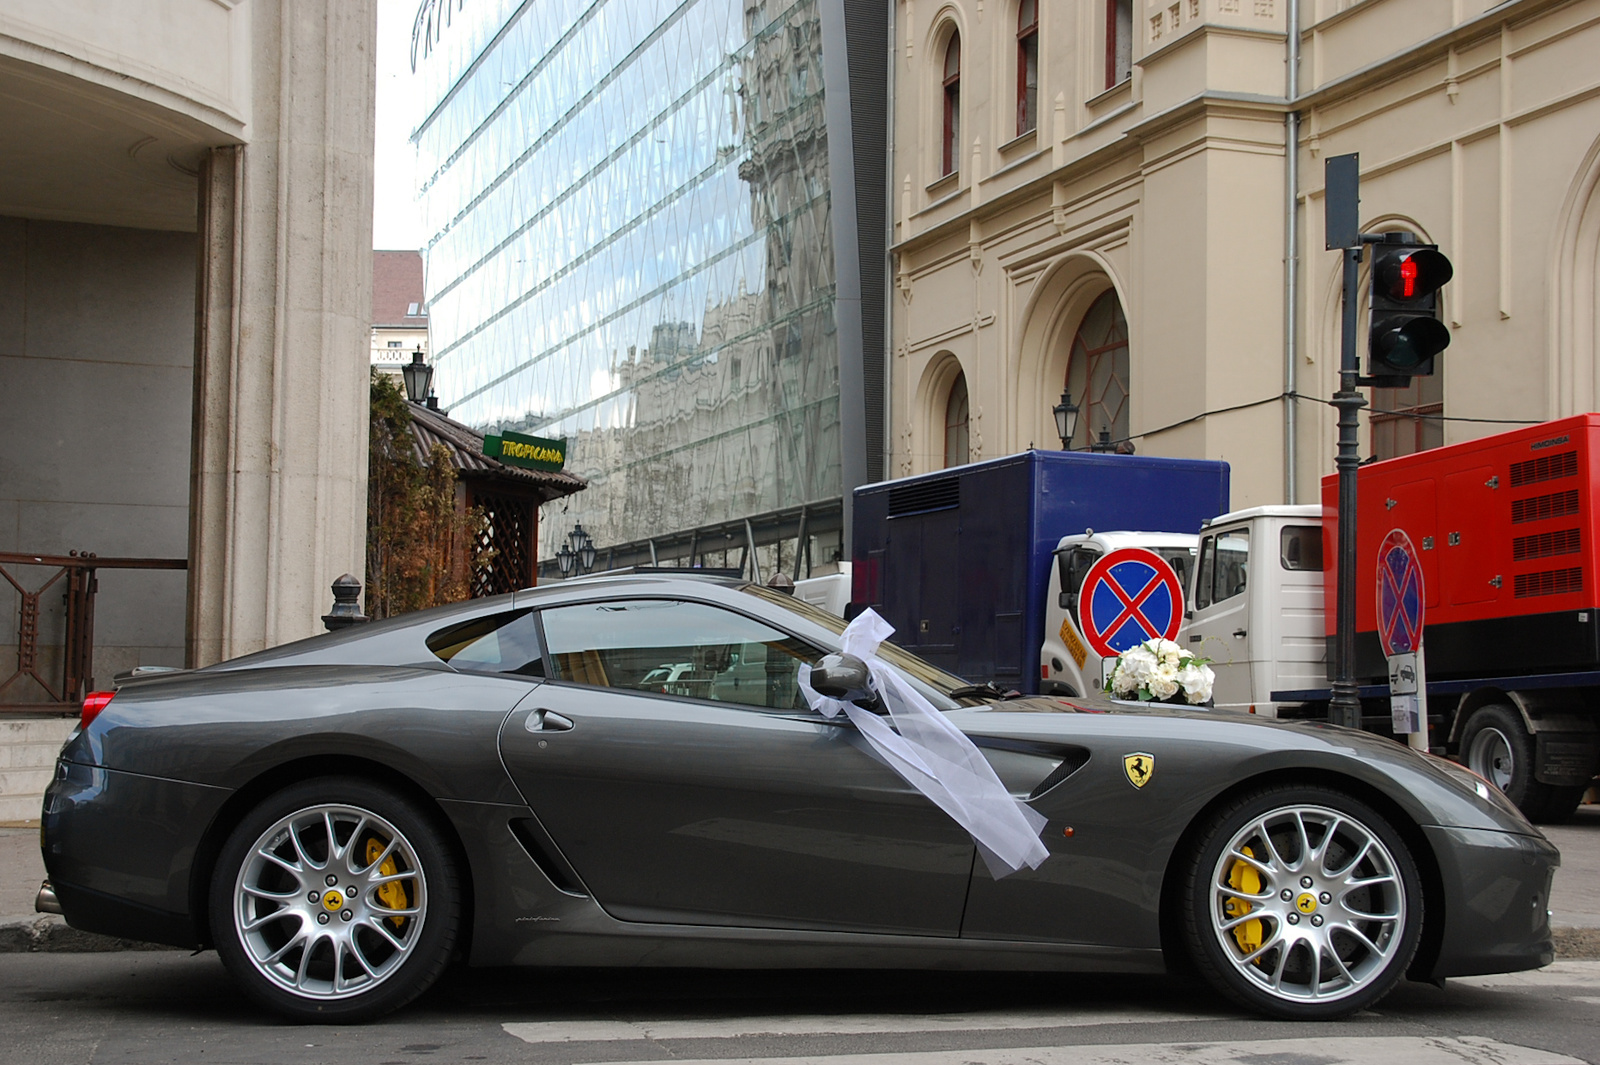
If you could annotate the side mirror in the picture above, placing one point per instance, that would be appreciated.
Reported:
(843, 677)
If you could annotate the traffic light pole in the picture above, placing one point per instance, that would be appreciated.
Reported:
(1345, 706)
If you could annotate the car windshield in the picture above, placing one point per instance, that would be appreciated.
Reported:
(932, 681)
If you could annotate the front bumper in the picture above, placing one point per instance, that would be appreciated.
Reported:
(1496, 901)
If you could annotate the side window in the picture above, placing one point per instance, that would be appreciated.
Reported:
(1300, 547)
(499, 643)
(1224, 567)
(1181, 559)
(672, 647)
(1074, 566)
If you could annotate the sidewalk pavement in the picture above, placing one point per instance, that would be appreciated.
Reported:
(1574, 900)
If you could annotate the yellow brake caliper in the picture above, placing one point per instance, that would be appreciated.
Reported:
(1247, 878)
(393, 894)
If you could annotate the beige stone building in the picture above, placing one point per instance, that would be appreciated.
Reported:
(1095, 195)
(185, 279)
(399, 310)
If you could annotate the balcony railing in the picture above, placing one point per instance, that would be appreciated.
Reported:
(73, 577)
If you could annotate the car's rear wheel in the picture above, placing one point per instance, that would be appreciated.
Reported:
(1302, 903)
(335, 900)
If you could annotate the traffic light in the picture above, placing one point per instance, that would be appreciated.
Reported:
(1406, 331)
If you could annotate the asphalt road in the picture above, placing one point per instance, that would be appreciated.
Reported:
(150, 1007)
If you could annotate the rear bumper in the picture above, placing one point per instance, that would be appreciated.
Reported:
(1496, 901)
(119, 849)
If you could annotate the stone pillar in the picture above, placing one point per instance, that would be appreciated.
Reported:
(283, 313)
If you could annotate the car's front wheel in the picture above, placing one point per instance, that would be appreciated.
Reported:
(335, 900)
(1302, 903)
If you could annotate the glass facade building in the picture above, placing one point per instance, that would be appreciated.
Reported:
(658, 231)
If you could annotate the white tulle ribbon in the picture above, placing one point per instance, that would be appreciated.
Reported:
(934, 756)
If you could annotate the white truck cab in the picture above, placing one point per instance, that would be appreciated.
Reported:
(1255, 605)
(1067, 664)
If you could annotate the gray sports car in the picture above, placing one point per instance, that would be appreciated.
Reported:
(626, 771)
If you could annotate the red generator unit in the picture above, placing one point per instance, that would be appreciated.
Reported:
(1504, 527)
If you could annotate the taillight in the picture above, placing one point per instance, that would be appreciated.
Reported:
(93, 703)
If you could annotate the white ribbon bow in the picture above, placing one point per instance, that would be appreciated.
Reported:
(934, 756)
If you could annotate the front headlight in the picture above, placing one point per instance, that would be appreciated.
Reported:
(1472, 784)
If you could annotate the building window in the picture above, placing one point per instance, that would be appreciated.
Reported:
(1401, 422)
(957, 449)
(1097, 370)
(394, 343)
(951, 141)
(1027, 66)
(1119, 41)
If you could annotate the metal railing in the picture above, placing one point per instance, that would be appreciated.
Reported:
(77, 646)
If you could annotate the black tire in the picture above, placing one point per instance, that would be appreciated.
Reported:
(1496, 745)
(359, 935)
(1321, 959)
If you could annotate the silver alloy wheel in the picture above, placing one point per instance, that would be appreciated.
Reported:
(1326, 897)
(1491, 757)
(330, 902)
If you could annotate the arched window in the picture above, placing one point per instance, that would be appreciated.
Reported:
(951, 143)
(1400, 417)
(957, 449)
(1097, 372)
(1027, 66)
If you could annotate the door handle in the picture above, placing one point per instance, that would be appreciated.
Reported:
(1239, 633)
(548, 721)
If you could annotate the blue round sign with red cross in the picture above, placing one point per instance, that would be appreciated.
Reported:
(1128, 597)
(1401, 598)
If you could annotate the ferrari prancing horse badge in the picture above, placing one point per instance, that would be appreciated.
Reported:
(1140, 767)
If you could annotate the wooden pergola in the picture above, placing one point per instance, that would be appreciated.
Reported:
(509, 495)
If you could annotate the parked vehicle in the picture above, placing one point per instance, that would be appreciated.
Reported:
(960, 561)
(1068, 665)
(342, 816)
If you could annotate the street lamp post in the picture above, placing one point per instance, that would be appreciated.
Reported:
(418, 377)
(1066, 413)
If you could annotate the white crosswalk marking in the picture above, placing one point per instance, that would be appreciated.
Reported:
(1355, 1050)
(838, 1024)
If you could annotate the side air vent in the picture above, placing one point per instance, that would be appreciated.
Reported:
(920, 497)
(1549, 582)
(1544, 468)
(1546, 545)
(1537, 508)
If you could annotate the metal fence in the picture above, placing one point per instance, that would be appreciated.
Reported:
(71, 576)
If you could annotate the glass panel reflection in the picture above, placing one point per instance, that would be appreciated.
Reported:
(632, 249)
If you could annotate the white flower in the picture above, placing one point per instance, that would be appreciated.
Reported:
(1123, 682)
(1163, 687)
(1196, 679)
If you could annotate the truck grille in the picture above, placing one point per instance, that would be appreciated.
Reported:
(1549, 582)
(1546, 545)
(1544, 468)
(1537, 508)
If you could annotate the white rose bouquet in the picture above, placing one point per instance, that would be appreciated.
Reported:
(1161, 671)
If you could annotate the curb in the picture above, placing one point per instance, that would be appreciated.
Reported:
(47, 933)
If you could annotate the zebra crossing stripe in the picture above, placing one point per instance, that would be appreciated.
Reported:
(613, 1030)
(1354, 1050)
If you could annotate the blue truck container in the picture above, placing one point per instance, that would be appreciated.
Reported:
(958, 561)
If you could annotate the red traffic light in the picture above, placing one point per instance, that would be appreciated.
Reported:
(1406, 274)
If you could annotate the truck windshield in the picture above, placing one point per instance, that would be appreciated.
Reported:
(1180, 559)
(934, 683)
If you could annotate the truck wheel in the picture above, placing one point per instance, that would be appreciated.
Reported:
(1302, 903)
(1496, 745)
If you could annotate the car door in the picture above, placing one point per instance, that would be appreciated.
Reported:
(1219, 629)
(721, 800)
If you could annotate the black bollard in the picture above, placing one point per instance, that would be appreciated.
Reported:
(346, 605)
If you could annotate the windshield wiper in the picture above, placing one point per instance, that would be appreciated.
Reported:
(987, 690)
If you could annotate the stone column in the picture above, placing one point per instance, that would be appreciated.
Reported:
(278, 489)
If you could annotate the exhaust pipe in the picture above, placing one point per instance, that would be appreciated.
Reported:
(46, 901)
